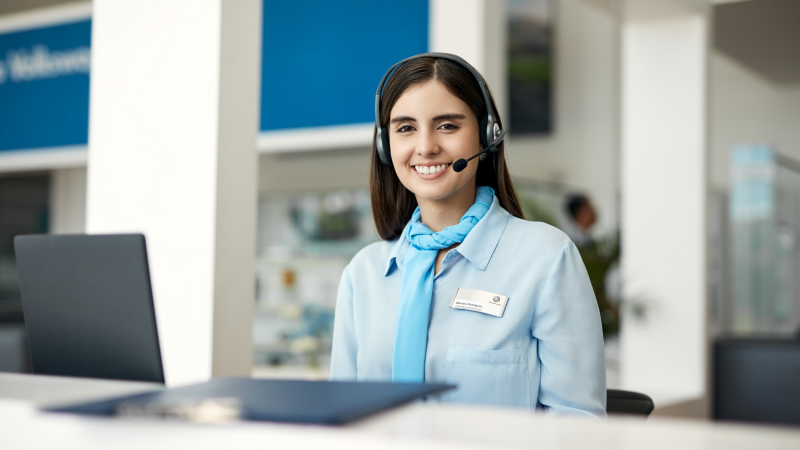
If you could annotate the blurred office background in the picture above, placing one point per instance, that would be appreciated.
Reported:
(660, 134)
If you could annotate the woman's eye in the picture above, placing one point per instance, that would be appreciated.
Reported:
(405, 129)
(448, 127)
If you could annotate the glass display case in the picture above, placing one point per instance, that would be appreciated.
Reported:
(764, 214)
(304, 242)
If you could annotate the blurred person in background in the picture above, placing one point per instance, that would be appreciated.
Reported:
(526, 332)
(581, 217)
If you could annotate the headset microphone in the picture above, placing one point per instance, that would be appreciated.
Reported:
(461, 164)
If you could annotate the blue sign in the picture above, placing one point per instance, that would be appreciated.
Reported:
(44, 86)
(322, 60)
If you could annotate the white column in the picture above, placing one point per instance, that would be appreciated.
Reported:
(476, 31)
(68, 201)
(664, 58)
(173, 126)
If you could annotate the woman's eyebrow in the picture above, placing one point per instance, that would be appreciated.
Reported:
(403, 119)
(449, 116)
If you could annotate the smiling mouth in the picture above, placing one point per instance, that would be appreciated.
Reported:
(426, 170)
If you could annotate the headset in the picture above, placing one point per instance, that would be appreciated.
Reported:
(491, 134)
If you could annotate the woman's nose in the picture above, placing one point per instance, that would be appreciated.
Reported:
(427, 144)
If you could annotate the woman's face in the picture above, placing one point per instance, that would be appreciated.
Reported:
(430, 129)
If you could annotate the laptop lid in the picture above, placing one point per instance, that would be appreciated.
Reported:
(88, 306)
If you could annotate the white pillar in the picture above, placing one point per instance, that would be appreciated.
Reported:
(173, 126)
(476, 31)
(68, 201)
(664, 57)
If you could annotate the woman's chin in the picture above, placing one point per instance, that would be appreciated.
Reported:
(440, 192)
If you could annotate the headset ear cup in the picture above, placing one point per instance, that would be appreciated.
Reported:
(383, 147)
(495, 133)
(486, 133)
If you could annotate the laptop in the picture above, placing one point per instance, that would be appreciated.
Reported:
(88, 306)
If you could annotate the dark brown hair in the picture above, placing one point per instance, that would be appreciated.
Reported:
(392, 203)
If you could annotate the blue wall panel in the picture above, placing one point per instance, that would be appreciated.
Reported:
(44, 86)
(323, 60)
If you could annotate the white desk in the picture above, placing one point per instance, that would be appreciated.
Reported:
(414, 426)
(46, 390)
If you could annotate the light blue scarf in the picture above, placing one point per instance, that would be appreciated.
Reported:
(416, 292)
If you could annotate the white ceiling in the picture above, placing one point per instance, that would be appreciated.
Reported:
(15, 6)
(763, 35)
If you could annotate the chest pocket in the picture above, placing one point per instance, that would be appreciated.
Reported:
(489, 377)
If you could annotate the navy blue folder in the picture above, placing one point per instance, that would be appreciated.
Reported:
(318, 402)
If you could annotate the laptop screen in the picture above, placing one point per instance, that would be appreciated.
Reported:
(88, 306)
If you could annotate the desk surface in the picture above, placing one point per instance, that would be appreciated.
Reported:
(50, 390)
(418, 426)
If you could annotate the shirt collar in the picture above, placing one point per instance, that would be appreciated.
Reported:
(478, 247)
(398, 250)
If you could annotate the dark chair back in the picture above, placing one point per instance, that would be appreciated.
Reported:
(627, 402)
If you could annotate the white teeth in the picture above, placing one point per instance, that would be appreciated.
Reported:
(430, 169)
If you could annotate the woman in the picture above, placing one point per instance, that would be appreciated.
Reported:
(462, 290)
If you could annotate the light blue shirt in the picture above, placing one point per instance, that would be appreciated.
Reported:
(546, 351)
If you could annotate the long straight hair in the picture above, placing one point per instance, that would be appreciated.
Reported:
(392, 203)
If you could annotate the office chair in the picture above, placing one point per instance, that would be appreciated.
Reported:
(627, 402)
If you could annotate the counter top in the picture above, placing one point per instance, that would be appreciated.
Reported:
(416, 425)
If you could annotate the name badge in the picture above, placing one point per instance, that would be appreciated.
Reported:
(480, 301)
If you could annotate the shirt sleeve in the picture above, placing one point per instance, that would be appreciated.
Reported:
(345, 345)
(566, 323)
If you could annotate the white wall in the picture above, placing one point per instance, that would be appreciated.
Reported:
(320, 170)
(747, 108)
(583, 150)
